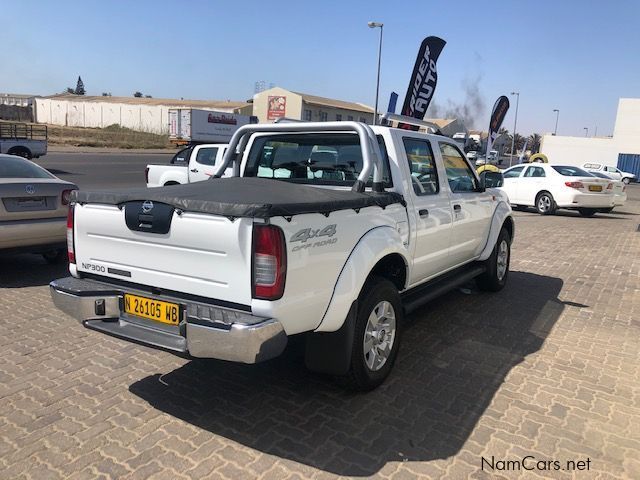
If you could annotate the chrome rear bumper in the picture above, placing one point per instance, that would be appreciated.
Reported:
(205, 331)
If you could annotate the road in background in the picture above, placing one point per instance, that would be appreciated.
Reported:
(102, 170)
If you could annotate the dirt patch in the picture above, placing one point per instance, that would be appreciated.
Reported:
(113, 136)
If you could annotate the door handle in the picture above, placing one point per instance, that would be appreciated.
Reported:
(423, 212)
(457, 208)
(194, 170)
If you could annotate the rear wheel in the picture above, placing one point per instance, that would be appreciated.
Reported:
(377, 334)
(587, 212)
(545, 204)
(626, 180)
(21, 152)
(55, 256)
(497, 265)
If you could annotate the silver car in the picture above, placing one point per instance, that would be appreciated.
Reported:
(33, 209)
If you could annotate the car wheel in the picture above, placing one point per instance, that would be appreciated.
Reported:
(21, 152)
(587, 212)
(545, 204)
(497, 265)
(377, 334)
(626, 180)
(55, 256)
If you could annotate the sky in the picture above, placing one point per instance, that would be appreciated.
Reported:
(578, 56)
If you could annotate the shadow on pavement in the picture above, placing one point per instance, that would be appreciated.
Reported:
(452, 362)
(28, 270)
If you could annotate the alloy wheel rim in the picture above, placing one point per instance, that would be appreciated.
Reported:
(502, 259)
(379, 335)
(544, 203)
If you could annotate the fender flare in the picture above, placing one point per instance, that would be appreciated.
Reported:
(374, 245)
(500, 215)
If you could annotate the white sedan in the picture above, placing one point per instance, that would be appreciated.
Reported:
(549, 187)
(33, 209)
(619, 190)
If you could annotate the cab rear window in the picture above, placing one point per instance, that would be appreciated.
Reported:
(315, 159)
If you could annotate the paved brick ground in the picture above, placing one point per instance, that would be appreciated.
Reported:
(548, 368)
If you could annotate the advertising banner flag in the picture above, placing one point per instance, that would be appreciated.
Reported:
(423, 80)
(497, 117)
(393, 100)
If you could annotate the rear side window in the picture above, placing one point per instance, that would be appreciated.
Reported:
(207, 156)
(424, 176)
(182, 156)
(535, 172)
(570, 171)
(312, 158)
(459, 174)
(19, 168)
(513, 172)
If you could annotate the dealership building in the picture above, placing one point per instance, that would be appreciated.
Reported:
(621, 150)
(274, 103)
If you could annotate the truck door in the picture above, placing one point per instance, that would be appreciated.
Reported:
(202, 163)
(431, 211)
(470, 208)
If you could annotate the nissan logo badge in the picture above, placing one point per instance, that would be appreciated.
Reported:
(147, 206)
(30, 189)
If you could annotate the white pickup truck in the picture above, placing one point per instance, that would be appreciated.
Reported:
(23, 139)
(335, 231)
(191, 164)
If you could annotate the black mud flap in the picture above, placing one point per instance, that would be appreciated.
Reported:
(148, 216)
(330, 352)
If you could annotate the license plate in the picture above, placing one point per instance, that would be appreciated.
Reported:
(157, 310)
(595, 188)
(31, 202)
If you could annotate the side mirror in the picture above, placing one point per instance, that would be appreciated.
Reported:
(490, 179)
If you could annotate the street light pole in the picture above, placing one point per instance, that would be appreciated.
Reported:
(586, 131)
(376, 25)
(555, 132)
(515, 124)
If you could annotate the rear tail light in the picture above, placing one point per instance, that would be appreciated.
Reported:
(65, 198)
(574, 184)
(610, 186)
(269, 262)
(71, 251)
(146, 175)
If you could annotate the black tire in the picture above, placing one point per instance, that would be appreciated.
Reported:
(21, 152)
(495, 278)
(168, 184)
(361, 376)
(626, 180)
(55, 256)
(545, 204)
(587, 212)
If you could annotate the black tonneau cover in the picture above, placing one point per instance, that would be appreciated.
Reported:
(245, 197)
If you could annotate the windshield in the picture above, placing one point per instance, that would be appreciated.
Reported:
(568, 171)
(311, 158)
(12, 167)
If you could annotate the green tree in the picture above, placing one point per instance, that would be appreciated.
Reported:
(534, 142)
(79, 87)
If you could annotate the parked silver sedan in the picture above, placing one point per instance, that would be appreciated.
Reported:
(33, 209)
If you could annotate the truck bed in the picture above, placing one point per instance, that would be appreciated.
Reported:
(245, 197)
